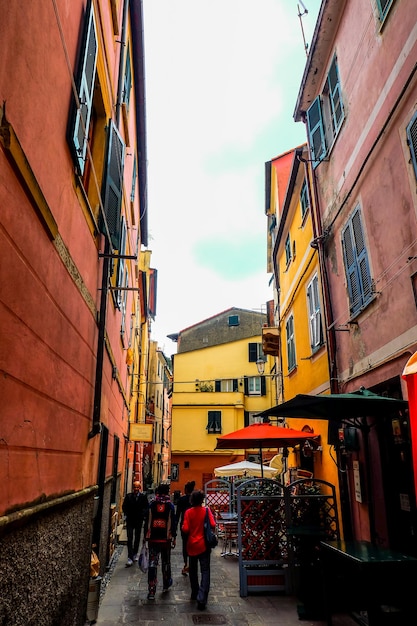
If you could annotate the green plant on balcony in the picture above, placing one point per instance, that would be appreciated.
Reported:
(206, 387)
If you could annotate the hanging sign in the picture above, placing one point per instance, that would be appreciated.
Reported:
(140, 432)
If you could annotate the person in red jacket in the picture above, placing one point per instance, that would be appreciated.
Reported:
(198, 552)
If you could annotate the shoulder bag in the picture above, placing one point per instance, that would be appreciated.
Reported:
(209, 536)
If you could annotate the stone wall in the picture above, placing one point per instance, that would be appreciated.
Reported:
(45, 564)
(216, 330)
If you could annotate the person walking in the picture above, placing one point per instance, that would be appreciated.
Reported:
(182, 505)
(135, 506)
(160, 533)
(197, 550)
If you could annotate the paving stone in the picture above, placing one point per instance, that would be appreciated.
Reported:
(123, 599)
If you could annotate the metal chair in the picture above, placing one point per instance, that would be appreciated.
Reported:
(230, 539)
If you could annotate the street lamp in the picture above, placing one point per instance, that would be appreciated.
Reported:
(260, 364)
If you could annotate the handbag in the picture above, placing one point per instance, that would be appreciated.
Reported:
(209, 536)
(143, 561)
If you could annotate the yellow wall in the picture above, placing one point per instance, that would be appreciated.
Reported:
(311, 374)
(190, 407)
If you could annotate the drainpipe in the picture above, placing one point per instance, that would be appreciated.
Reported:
(318, 244)
(96, 427)
(98, 388)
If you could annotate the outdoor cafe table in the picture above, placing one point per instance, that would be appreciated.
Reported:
(227, 516)
(230, 537)
(365, 577)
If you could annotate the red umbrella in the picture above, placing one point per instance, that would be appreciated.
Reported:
(263, 436)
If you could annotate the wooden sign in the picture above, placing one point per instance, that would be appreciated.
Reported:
(140, 432)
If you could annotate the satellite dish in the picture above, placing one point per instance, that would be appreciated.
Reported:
(276, 463)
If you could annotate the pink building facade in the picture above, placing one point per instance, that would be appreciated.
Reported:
(358, 101)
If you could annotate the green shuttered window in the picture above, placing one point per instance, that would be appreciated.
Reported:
(113, 184)
(85, 90)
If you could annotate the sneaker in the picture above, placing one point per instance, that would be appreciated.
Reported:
(151, 596)
(129, 563)
(136, 557)
(169, 585)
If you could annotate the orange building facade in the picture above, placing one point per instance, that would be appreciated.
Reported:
(72, 228)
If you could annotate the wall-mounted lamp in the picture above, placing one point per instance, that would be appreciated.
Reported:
(260, 364)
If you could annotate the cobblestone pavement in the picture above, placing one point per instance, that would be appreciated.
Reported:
(124, 599)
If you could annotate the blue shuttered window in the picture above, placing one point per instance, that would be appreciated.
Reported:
(335, 97)
(289, 327)
(314, 314)
(383, 7)
(85, 91)
(315, 127)
(127, 79)
(123, 306)
(355, 255)
(121, 265)
(412, 141)
(288, 250)
(304, 200)
(113, 184)
(325, 116)
(134, 176)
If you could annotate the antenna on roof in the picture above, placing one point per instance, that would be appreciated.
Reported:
(300, 15)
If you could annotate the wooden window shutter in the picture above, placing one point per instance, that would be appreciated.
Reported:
(246, 386)
(356, 263)
(362, 257)
(85, 90)
(217, 385)
(113, 184)
(412, 142)
(333, 82)
(350, 268)
(263, 386)
(315, 129)
(246, 418)
(253, 352)
(121, 265)
(127, 80)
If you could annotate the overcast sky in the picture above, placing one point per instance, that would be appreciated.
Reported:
(222, 79)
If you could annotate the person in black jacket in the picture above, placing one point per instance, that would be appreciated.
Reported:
(135, 507)
(160, 532)
(182, 505)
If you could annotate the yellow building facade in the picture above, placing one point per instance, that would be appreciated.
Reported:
(302, 362)
(217, 389)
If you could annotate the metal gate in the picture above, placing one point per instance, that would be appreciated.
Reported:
(262, 539)
(219, 496)
(280, 529)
